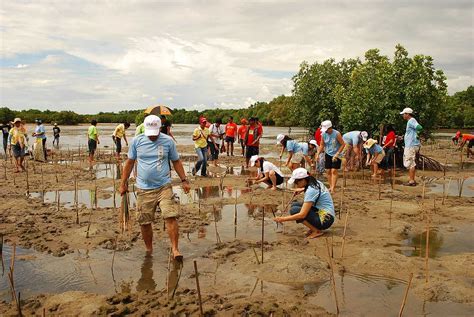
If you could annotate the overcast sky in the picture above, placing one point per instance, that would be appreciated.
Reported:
(91, 56)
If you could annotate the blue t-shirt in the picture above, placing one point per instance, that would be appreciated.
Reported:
(297, 147)
(40, 129)
(331, 144)
(325, 200)
(374, 149)
(352, 138)
(152, 160)
(411, 138)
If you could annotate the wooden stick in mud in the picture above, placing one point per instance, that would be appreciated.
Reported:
(263, 228)
(27, 179)
(5, 170)
(344, 234)
(235, 209)
(461, 185)
(42, 179)
(168, 276)
(380, 187)
(19, 305)
(427, 249)
(113, 259)
(11, 275)
(218, 237)
(76, 199)
(58, 197)
(196, 273)
(332, 276)
(256, 255)
(400, 313)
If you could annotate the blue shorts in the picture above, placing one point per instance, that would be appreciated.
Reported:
(319, 219)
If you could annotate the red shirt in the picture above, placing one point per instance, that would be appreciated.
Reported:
(390, 137)
(242, 132)
(467, 137)
(252, 133)
(318, 135)
(230, 129)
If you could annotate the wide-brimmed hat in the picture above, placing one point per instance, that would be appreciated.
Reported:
(369, 143)
(152, 125)
(17, 120)
(298, 173)
(325, 125)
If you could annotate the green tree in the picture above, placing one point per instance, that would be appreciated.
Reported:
(6, 115)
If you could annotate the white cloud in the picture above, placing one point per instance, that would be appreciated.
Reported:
(108, 55)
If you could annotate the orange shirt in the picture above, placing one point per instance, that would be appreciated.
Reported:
(242, 132)
(230, 129)
(467, 137)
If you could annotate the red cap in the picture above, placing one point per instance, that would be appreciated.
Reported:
(243, 121)
(202, 120)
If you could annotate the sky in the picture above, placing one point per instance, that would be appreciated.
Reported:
(90, 56)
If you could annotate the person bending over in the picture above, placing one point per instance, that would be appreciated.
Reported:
(267, 173)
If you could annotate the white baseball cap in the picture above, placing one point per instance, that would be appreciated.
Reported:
(364, 135)
(325, 125)
(313, 142)
(253, 159)
(152, 125)
(280, 138)
(298, 173)
(407, 110)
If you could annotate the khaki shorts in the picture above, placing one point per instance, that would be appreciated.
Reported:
(148, 200)
(297, 158)
(409, 156)
(380, 157)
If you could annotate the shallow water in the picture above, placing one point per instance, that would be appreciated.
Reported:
(454, 186)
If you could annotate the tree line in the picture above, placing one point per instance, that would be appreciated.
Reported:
(354, 94)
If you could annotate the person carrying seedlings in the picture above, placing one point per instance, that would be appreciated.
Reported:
(252, 139)
(298, 152)
(317, 210)
(215, 139)
(40, 135)
(17, 144)
(332, 144)
(5, 127)
(469, 139)
(152, 150)
(242, 132)
(230, 135)
(200, 136)
(92, 140)
(375, 155)
(267, 172)
(56, 132)
(117, 136)
(412, 144)
(353, 143)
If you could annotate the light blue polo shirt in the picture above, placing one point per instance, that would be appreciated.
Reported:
(152, 160)
(40, 129)
(352, 138)
(411, 138)
(325, 200)
(331, 145)
(297, 147)
(376, 148)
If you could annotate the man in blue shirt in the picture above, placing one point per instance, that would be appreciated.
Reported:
(412, 144)
(40, 133)
(152, 150)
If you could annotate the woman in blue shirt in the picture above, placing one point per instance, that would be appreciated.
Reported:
(298, 152)
(375, 155)
(317, 210)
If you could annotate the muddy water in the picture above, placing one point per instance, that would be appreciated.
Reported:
(370, 295)
(454, 187)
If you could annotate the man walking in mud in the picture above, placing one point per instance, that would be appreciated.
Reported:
(152, 150)
(412, 144)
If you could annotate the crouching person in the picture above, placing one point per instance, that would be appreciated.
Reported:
(317, 210)
(152, 150)
(267, 173)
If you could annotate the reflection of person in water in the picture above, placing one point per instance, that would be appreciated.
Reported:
(146, 281)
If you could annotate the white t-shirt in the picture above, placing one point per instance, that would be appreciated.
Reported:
(218, 131)
(269, 166)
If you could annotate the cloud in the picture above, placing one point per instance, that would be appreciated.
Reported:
(114, 55)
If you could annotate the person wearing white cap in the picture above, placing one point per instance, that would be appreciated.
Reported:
(17, 143)
(317, 210)
(267, 172)
(152, 150)
(412, 144)
(298, 152)
(332, 144)
(353, 141)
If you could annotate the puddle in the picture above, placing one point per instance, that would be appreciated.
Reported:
(440, 243)
(91, 271)
(369, 295)
(454, 186)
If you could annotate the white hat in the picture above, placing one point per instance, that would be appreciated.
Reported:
(253, 159)
(298, 173)
(325, 125)
(152, 125)
(280, 138)
(364, 135)
(407, 110)
(313, 142)
(17, 120)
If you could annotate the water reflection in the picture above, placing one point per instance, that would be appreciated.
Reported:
(146, 281)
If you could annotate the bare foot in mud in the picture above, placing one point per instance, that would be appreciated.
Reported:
(177, 256)
(315, 234)
(273, 188)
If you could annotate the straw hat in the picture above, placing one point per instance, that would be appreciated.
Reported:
(369, 143)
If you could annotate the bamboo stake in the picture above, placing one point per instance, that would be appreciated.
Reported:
(263, 228)
(11, 275)
(332, 277)
(58, 196)
(235, 209)
(196, 273)
(168, 276)
(380, 187)
(27, 180)
(400, 313)
(427, 249)
(256, 255)
(218, 238)
(76, 199)
(19, 305)
(344, 234)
